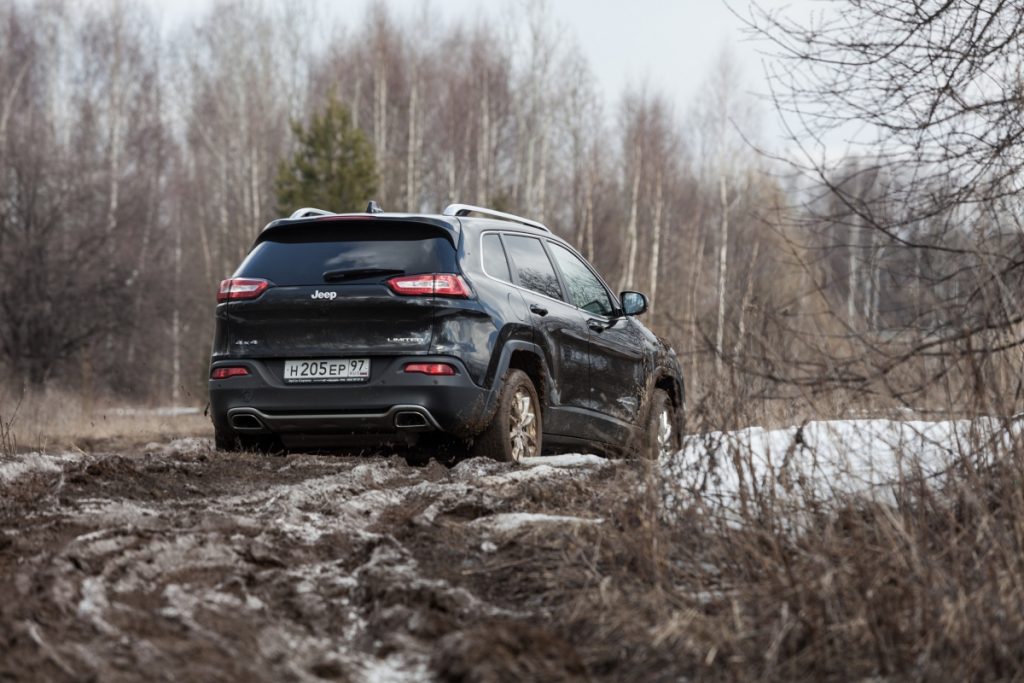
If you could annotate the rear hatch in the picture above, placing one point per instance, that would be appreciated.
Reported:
(328, 293)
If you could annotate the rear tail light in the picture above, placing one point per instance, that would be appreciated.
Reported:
(437, 284)
(430, 368)
(241, 288)
(233, 371)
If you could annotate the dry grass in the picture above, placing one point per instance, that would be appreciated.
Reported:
(929, 586)
(54, 420)
(8, 439)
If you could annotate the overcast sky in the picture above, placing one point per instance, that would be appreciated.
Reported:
(670, 43)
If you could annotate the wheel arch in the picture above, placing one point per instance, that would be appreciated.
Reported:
(528, 357)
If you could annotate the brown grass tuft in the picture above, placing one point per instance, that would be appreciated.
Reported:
(52, 419)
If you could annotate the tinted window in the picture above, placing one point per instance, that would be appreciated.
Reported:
(494, 259)
(532, 265)
(585, 290)
(300, 255)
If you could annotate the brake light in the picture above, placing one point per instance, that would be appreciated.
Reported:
(437, 284)
(233, 371)
(241, 288)
(430, 368)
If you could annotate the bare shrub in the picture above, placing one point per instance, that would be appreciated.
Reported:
(8, 439)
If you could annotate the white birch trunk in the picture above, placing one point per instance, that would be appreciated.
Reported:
(723, 263)
(698, 278)
(411, 191)
(484, 148)
(176, 323)
(380, 127)
(631, 227)
(851, 301)
(542, 178)
(588, 215)
(748, 294)
(656, 243)
(356, 102)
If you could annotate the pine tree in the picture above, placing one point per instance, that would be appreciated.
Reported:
(333, 167)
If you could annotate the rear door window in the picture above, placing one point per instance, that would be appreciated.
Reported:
(300, 255)
(532, 266)
(585, 290)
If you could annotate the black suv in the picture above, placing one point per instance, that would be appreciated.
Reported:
(475, 328)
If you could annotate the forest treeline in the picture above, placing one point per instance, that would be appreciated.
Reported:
(139, 161)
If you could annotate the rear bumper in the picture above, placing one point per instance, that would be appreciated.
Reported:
(390, 402)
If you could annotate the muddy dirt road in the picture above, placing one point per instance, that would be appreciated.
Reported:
(173, 562)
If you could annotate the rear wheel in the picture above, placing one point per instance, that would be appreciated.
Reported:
(516, 429)
(662, 435)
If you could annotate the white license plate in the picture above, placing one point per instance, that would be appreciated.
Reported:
(329, 370)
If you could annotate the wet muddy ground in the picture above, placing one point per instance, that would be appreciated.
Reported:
(171, 561)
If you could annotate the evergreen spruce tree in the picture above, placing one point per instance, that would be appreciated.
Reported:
(333, 167)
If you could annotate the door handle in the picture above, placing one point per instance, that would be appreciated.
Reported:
(596, 325)
(539, 310)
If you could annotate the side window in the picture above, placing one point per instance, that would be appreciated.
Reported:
(585, 290)
(532, 265)
(493, 257)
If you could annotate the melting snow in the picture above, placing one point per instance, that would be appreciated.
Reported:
(844, 457)
(512, 521)
(567, 460)
(26, 465)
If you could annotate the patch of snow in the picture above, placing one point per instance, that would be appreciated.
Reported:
(186, 445)
(474, 468)
(94, 604)
(164, 411)
(394, 669)
(512, 521)
(534, 472)
(825, 459)
(567, 460)
(28, 464)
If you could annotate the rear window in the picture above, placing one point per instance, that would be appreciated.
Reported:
(301, 255)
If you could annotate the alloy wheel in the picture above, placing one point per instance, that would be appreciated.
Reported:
(665, 436)
(523, 425)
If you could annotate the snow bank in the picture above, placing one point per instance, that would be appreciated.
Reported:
(512, 521)
(826, 459)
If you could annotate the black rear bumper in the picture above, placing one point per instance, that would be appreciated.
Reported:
(391, 402)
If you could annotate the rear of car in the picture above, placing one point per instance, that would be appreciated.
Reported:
(328, 334)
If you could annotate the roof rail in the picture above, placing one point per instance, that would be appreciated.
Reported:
(308, 211)
(463, 209)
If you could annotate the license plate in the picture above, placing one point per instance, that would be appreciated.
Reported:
(329, 370)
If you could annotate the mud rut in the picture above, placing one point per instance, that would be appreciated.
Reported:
(174, 562)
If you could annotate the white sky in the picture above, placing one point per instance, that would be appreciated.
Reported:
(672, 44)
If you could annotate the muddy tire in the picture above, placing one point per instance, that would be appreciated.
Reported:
(662, 437)
(516, 429)
(223, 439)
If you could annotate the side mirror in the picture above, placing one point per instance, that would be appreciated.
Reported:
(633, 303)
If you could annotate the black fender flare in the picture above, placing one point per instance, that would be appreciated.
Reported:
(501, 367)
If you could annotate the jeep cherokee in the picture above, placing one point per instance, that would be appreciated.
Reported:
(475, 326)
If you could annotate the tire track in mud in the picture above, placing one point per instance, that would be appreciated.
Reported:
(180, 563)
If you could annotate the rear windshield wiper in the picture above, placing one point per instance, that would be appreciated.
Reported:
(352, 273)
